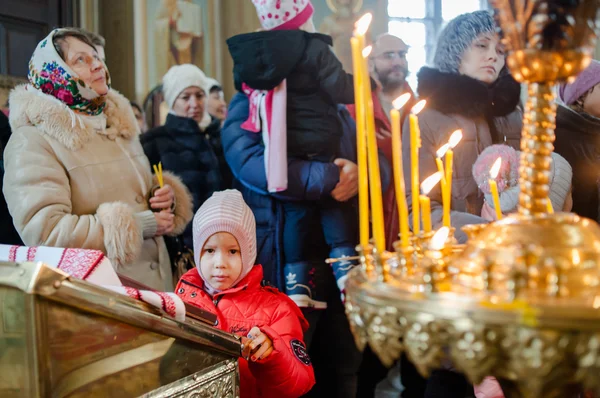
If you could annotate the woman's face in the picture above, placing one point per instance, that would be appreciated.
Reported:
(484, 59)
(85, 61)
(217, 106)
(190, 103)
(591, 104)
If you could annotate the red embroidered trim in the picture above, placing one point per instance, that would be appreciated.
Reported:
(133, 292)
(168, 304)
(12, 254)
(31, 252)
(79, 262)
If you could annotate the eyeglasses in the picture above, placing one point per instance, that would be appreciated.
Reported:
(393, 55)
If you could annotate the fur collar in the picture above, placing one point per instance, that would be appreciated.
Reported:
(30, 107)
(451, 93)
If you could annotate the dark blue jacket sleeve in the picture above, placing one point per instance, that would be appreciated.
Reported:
(244, 152)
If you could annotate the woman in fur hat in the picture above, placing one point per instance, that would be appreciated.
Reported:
(76, 174)
(469, 88)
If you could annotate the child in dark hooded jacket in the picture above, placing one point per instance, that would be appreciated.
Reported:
(289, 51)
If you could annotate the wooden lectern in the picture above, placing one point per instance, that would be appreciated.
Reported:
(64, 337)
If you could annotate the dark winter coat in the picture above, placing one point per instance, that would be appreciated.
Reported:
(486, 115)
(578, 141)
(8, 233)
(187, 152)
(316, 83)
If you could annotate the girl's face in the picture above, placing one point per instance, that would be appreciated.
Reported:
(484, 59)
(85, 61)
(591, 104)
(221, 261)
(217, 105)
(190, 103)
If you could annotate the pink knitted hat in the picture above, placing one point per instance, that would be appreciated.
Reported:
(226, 211)
(587, 79)
(283, 14)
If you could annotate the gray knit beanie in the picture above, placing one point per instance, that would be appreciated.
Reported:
(457, 36)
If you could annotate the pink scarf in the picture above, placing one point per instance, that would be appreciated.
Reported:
(268, 114)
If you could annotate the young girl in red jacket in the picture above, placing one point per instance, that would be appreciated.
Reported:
(227, 282)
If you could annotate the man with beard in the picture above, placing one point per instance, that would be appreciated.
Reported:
(388, 65)
(389, 68)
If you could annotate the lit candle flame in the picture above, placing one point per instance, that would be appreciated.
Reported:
(418, 107)
(399, 102)
(430, 182)
(362, 25)
(576, 257)
(455, 138)
(495, 168)
(367, 51)
(439, 239)
(442, 151)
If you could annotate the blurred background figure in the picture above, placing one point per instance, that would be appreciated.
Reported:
(216, 104)
(184, 144)
(139, 116)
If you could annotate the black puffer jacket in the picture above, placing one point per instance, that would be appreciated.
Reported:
(8, 233)
(578, 141)
(188, 153)
(316, 83)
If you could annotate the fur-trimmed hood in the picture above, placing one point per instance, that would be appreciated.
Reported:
(451, 93)
(30, 107)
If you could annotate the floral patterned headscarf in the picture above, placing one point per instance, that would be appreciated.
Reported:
(49, 74)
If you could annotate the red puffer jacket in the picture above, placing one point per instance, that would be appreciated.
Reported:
(287, 372)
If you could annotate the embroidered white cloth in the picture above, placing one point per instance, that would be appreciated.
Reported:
(92, 266)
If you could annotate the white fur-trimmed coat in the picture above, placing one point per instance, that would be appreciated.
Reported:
(67, 185)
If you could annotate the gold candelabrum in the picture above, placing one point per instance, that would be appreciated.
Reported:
(520, 301)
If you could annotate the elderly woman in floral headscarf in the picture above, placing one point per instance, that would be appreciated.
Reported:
(76, 174)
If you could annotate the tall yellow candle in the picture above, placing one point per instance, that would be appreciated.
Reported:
(455, 138)
(425, 203)
(398, 169)
(373, 162)
(361, 143)
(494, 187)
(444, 184)
(424, 200)
(415, 144)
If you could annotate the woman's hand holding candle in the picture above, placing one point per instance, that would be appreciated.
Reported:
(163, 198)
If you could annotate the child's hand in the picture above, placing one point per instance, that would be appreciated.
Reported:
(261, 345)
(246, 347)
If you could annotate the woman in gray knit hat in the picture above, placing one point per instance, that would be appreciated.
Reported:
(468, 88)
